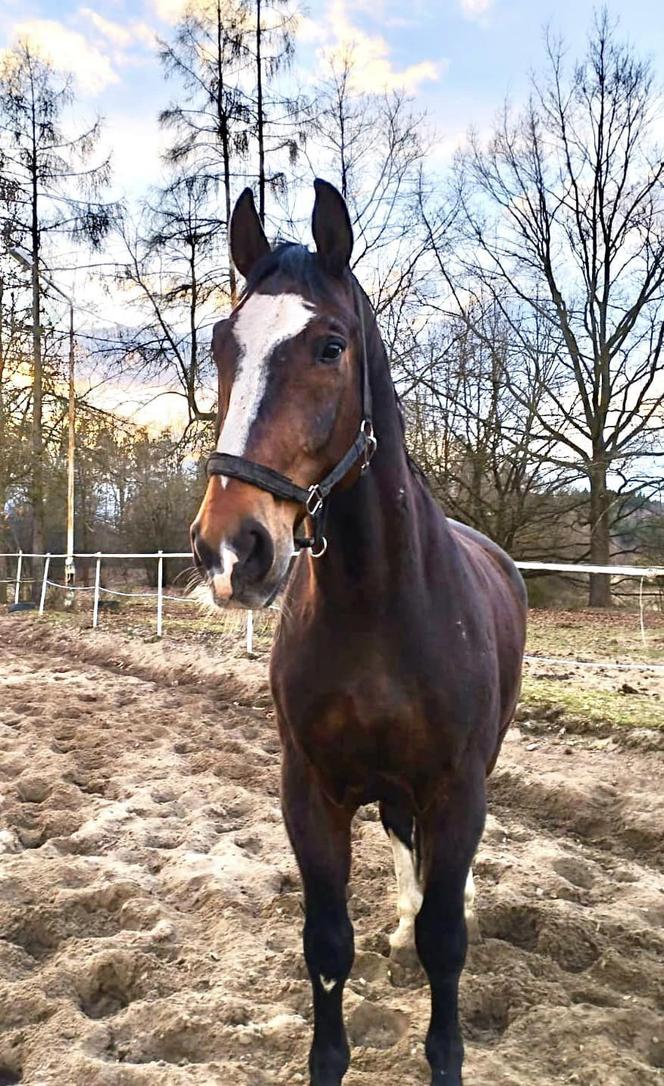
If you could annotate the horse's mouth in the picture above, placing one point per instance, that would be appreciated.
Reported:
(242, 597)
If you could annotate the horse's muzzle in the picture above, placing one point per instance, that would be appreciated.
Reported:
(241, 570)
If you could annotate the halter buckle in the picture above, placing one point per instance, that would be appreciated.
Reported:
(371, 443)
(314, 502)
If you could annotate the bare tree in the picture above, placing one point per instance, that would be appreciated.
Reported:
(211, 125)
(15, 400)
(271, 48)
(226, 57)
(486, 455)
(372, 145)
(173, 273)
(562, 221)
(162, 496)
(49, 188)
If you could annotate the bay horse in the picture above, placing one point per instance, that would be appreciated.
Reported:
(396, 666)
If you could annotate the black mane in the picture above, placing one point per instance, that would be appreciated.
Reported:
(295, 261)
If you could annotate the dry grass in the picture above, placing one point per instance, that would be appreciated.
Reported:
(607, 636)
(595, 700)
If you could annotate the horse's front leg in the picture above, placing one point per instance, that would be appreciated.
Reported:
(320, 835)
(450, 832)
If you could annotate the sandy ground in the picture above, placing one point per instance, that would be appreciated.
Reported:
(150, 910)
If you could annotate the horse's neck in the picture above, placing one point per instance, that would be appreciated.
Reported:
(373, 527)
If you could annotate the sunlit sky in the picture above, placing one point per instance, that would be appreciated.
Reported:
(458, 58)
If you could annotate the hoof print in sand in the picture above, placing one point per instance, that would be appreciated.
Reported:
(515, 924)
(376, 1026)
(9, 1077)
(405, 969)
(485, 1012)
(109, 986)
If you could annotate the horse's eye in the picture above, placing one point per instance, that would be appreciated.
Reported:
(332, 350)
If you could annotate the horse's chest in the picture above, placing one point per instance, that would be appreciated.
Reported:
(370, 723)
(395, 705)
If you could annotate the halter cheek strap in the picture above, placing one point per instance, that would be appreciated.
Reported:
(314, 497)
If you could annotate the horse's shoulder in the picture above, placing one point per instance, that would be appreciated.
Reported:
(474, 541)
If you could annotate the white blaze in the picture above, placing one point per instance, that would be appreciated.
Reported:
(221, 582)
(264, 321)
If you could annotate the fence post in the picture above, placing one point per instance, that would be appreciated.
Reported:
(95, 605)
(42, 598)
(160, 591)
(19, 567)
(250, 633)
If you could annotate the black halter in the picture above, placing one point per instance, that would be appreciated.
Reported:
(313, 497)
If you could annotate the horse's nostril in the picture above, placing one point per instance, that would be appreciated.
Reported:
(206, 559)
(193, 538)
(255, 551)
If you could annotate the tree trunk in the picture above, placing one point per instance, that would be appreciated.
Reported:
(4, 545)
(232, 276)
(222, 120)
(37, 488)
(600, 536)
(259, 117)
(4, 562)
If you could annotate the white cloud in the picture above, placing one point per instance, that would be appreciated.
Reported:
(115, 32)
(144, 34)
(135, 144)
(68, 51)
(373, 65)
(336, 37)
(169, 11)
(121, 36)
(310, 31)
(476, 9)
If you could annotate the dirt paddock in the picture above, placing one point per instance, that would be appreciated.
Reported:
(150, 910)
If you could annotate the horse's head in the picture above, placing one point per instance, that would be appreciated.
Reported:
(289, 360)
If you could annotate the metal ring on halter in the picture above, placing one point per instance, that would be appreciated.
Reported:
(323, 548)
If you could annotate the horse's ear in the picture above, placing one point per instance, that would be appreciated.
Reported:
(331, 228)
(248, 241)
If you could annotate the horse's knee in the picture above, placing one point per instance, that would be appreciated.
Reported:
(328, 948)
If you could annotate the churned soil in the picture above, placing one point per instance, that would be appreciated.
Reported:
(150, 910)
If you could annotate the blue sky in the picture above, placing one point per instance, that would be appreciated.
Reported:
(459, 58)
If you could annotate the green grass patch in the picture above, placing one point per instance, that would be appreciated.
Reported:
(581, 708)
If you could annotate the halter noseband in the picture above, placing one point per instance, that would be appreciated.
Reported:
(313, 497)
